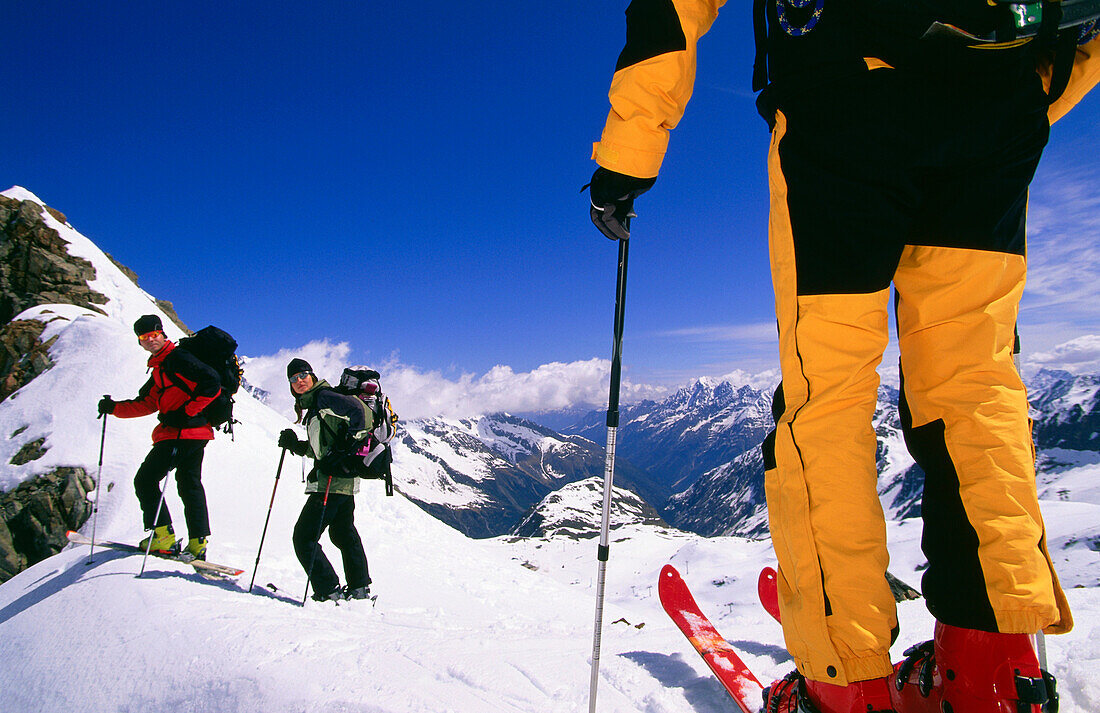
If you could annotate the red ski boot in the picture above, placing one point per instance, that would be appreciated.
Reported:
(970, 671)
(916, 685)
(795, 694)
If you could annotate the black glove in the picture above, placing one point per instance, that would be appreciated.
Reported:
(288, 440)
(612, 195)
(176, 419)
(333, 464)
(106, 406)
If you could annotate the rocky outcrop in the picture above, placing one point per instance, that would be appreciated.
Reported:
(35, 265)
(37, 269)
(35, 516)
(23, 355)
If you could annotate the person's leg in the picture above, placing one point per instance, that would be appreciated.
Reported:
(965, 418)
(307, 532)
(343, 534)
(147, 485)
(188, 463)
(964, 409)
(838, 222)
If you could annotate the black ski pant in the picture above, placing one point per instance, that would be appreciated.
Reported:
(186, 457)
(338, 515)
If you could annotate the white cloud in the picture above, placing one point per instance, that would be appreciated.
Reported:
(760, 333)
(415, 393)
(762, 381)
(1080, 355)
(269, 372)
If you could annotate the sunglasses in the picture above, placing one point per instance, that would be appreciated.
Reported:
(149, 336)
(302, 376)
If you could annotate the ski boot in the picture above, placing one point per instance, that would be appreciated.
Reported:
(196, 549)
(916, 684)
(357, 593)
(334, 596)
(971, 671)
(164, 542)
(796, 694)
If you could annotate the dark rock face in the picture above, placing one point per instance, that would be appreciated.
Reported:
(35, 266)
(23, 355)
(36, 269)
(35, 516)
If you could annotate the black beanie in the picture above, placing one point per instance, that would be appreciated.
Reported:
(297, 366)
(147, 323)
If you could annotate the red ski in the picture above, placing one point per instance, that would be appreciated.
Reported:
(767, 588)
(723, 660)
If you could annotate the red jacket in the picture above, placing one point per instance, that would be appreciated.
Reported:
(179, 380)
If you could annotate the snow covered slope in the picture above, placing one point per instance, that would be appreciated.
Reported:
(461, 625)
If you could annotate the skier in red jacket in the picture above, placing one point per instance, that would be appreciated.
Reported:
(178, 389)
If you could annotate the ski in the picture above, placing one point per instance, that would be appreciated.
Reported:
(722, 659)
(373, 599)
(202, 567)
(767, 588)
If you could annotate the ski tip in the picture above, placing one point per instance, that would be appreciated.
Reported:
(669, 572)
(767, 588)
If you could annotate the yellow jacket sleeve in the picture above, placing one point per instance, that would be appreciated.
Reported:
(1085, 75)
(652, 83)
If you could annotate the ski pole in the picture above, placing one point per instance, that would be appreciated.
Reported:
(278, 472)
(149, 545)
(98, 485)
(609, 467)
(1038, 641)
(163, 489)
(317, 545)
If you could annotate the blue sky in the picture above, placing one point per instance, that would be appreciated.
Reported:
(402, 188)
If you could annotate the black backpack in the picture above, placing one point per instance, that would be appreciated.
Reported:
(215, 348)
(374, 459)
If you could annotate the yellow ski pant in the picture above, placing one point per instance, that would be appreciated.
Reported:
(858, 204)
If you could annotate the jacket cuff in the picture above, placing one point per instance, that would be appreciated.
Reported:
(628, 160)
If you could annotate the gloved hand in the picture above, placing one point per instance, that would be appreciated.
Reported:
(106, 406)
(332, 463)
(288, 440)
(612, 195)
(175, 419)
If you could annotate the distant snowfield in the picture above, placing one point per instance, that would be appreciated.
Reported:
(461, 625)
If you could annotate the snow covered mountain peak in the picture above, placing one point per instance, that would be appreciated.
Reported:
(575, 511)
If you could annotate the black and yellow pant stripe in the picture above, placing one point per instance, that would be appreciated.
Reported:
(893, 179)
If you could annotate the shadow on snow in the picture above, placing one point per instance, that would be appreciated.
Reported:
(703, 693)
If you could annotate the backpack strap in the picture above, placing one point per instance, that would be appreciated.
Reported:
(168, 371)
